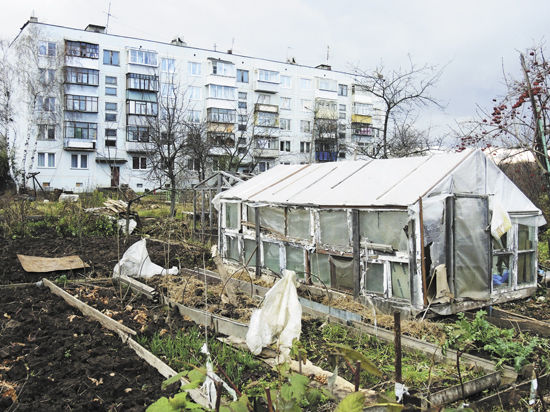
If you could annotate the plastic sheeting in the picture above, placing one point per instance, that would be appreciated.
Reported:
(299, 223)
(385, 227)
(136, 263)
(334, 227)
(343, 273)
(471, 249)
(273, 218)
(271, 256)
(278, 320)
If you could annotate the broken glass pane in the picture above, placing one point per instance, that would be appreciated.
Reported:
(384, 227)
(400, 280)
(375, 277)
(501, 271)
(271, 257)
(295, 260)
(334, 227)
(343, 271)
(298, 224)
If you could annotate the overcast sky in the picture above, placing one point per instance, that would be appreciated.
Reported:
(473, 39)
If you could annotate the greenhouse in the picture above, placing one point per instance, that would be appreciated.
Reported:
(447, 232)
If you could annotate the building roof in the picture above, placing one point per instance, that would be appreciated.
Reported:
(382, 182)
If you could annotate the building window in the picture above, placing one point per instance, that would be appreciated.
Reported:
(284, 124)
(47, 76)
(307, 105)
(242, 76)
(139, 162)
(138, 134)
(263, 166)
(221, 92)
(264, 99)
(143, 57)
(305, 126)
(286, 82)
(110, 91)
(79, 161)
(284, 145)
(81, 103)
(80, 130)
(305, 147)
(363, 109)
(305, 84)
(111, 57)
(342, 115)
(168, 65)
(139, 185)
(46, 132)
(242, 95)
(46, 159)
(141, 108)
(223, 68)
(327, 84)
(342, 90)
(46, 104)
(110, 117)
(79, 75)
(266, 119)
(194, 93)
(242, 105)
(112, 107)
(218, 115)
(268, 76)
(285, 103)
(47, 49)
(147, 82)
(342, 107)
(110, 133)
(110, 80)
(194, 116)
(81, 49)
(194, 68)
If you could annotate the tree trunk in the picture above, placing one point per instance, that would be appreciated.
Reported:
(385, 135)
(172, 197)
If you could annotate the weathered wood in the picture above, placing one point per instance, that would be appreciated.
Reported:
(105, 321)
(512, 395)
(454, 393)
(356, 238)
(422, 255)
(137, 286)
(397, 344)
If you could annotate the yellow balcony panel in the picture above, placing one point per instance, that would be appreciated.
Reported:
(220, 127)
(360, 118)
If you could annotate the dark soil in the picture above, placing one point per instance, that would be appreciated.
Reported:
(52, 358)
(101, 253)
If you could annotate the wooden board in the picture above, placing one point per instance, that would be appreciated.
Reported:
(37, 264)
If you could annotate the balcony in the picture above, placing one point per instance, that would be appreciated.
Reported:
(265, 147)
(361, 118)
(79, 144)
(266, 87)
(326, 156)
(267, 108)
(142, 82)
(139, 147)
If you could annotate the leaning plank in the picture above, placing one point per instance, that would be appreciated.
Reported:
(506, 319)
(137, 286)
(88, 310)
(454, 393)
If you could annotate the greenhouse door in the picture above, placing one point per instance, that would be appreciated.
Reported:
(472, 250)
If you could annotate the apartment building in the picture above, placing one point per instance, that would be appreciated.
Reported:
(83, 123)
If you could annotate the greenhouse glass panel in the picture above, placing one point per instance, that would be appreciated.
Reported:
(320, 269)
(273, 218)
(232, 215)
(334, 228)
(249, 252)
(299, 224)
(375, 277)
(400, 280)
(343, 273)
(295, 261)
(385, 228)
(271, 257)
(232, 252)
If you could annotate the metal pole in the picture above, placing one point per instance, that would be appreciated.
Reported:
(397, 343)
(356, 253)
(257, 224)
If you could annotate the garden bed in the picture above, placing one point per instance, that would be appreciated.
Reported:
(53, 358)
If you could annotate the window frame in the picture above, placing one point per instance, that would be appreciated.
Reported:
(111, 57)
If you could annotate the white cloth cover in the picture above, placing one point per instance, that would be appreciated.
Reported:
(136, 263)
(208, 388)
(280, 315)
(500, 221)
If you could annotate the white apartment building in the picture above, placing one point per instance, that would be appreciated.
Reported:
(80, 125)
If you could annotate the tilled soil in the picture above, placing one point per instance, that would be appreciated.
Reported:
(52, 358)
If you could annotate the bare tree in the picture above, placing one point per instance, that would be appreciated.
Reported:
(7, 84)
(399, 91)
